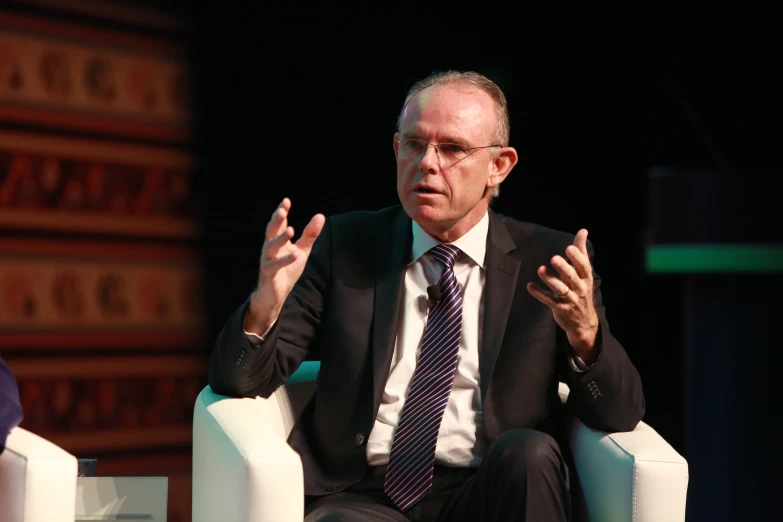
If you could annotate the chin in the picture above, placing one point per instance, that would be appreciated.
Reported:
(430, 219)
(426, 213)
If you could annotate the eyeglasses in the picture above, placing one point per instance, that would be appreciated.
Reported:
(447, 151)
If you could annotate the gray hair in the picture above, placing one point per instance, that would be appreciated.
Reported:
(466, 78)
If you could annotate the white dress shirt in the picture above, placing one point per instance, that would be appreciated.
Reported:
(457, 440)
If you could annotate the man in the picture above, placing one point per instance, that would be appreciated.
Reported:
(440, 358)
(10, 409)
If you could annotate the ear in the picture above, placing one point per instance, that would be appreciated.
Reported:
(501, 166)
(396, 144)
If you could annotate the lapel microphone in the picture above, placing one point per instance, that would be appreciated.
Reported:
(434, 294)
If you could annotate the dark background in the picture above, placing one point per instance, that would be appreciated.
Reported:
(303, 104)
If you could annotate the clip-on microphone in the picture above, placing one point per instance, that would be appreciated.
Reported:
(434, 294)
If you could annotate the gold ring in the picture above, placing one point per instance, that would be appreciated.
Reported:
(561, 296)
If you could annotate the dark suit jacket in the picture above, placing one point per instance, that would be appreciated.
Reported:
(10, 409)
(344, 311)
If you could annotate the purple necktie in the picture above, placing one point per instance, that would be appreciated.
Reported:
(412, 458)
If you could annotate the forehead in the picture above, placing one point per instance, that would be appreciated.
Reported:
(454, 109)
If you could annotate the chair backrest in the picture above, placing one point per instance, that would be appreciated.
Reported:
(37, 480)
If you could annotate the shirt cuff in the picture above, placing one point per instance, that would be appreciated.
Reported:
(578, 364)
(256, 339)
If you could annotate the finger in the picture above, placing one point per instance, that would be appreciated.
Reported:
(542, 296)
(272, 246)
(567, 273)
(311, 232)
(580, 241)
(271, 266)
(581, 262)
(551, 280)
(279, 220)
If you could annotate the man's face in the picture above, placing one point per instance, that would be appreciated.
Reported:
(447, 197)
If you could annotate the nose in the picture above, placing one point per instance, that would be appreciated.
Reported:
(430, 160)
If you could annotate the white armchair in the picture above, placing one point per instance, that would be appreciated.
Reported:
(244, 471)
(37, 480)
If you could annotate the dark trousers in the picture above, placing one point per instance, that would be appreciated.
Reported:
(523, 477)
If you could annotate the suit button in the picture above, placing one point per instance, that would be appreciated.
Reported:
(360, 439)
(331, 489)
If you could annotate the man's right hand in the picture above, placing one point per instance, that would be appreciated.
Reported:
(282, 263)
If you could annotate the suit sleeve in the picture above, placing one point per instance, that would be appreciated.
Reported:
(607, 397)
(240, 368)
(10, 407)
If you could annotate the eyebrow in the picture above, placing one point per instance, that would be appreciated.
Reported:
(447, 139)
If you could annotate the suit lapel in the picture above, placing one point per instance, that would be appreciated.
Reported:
(499, 287)
(392, 252)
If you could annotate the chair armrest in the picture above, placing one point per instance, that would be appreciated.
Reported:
(628, 476)
(243, 468)
(33, 469)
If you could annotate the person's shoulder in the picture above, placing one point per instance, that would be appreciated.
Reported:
(370, 220)
(358, 231)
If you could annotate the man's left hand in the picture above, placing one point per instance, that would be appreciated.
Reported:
(571, 299)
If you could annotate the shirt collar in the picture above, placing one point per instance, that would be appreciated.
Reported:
(473, 244)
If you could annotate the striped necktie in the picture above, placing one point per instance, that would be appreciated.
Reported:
(412, 458)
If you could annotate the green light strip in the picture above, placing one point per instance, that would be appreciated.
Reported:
(691, 259)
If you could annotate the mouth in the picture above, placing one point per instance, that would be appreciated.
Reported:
(425, 190)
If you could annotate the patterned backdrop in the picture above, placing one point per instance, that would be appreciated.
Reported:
(51, 182)
(101, 309)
